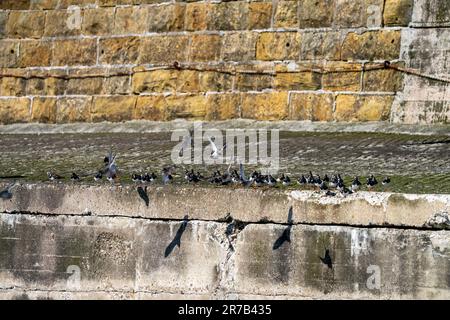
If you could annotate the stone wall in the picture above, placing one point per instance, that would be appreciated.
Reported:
(180, 245)
(319, 60)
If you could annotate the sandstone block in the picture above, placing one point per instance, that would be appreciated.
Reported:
(63, 23)
(286, 14)
(25, 24)
(362, 108)
(253, 82)
(260, 15)
(35, 53)
(64, 4)
(150, 108)
(197, 16)
(14, 110)
(15, 4)
(191, 107)
(397, 12)
(164, 108)
(9, 53)
(265, 106)
(321, 45)
(166, 18)
(342, 76)
(298, 81)
(113, 108)
(372, 45)
(119, 50)
(316, 14)
(129, 20)
(85, 86)
(43, 110)
(43, 4)
(164, 49)
(278, 46)
(49, 86)
(117, 85)
(166, 81)
(98, 21)
(12, 86)
(357, 14)
(239, 46)
(74, 52)
(228, 16)
(222, 106)
(215, 81)
(73, 109)
(311, 106)
(387, 80)
(205, 47)
(3, 21)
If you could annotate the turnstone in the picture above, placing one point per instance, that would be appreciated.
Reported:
(74, 177)
(355, 184)
(302, 180)
(371, 181)
(98, 176)
(53, 176)
(136, 177)
(271, 181)
(386, 181)
(286, 180)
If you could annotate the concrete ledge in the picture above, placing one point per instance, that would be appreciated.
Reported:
(247, 205)
(134, 258)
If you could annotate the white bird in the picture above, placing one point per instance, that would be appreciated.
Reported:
(214, 150)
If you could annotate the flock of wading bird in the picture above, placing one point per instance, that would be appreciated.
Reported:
(329, 185)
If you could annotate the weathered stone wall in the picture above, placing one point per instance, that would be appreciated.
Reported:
(112, 245)
(319, 60)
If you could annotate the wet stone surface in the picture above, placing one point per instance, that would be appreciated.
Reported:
(416, 164)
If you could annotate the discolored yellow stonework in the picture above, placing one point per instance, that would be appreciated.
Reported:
(35, 53)
(265, 106)
(311, 106)
(372, 45)
(74, 52)
(114, 108)
(25, 24)
(362, 108)
(278, 46)
(223, 106)
(14, 110)
(73, 109)
(44, 110)
(397, 12)
(342, 76)
(314, 60)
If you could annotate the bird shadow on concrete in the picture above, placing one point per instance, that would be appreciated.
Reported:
(327, 259)
(143, 195)
(177, 239)
(286, 235)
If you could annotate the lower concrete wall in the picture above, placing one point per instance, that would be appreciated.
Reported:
(79, 257)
